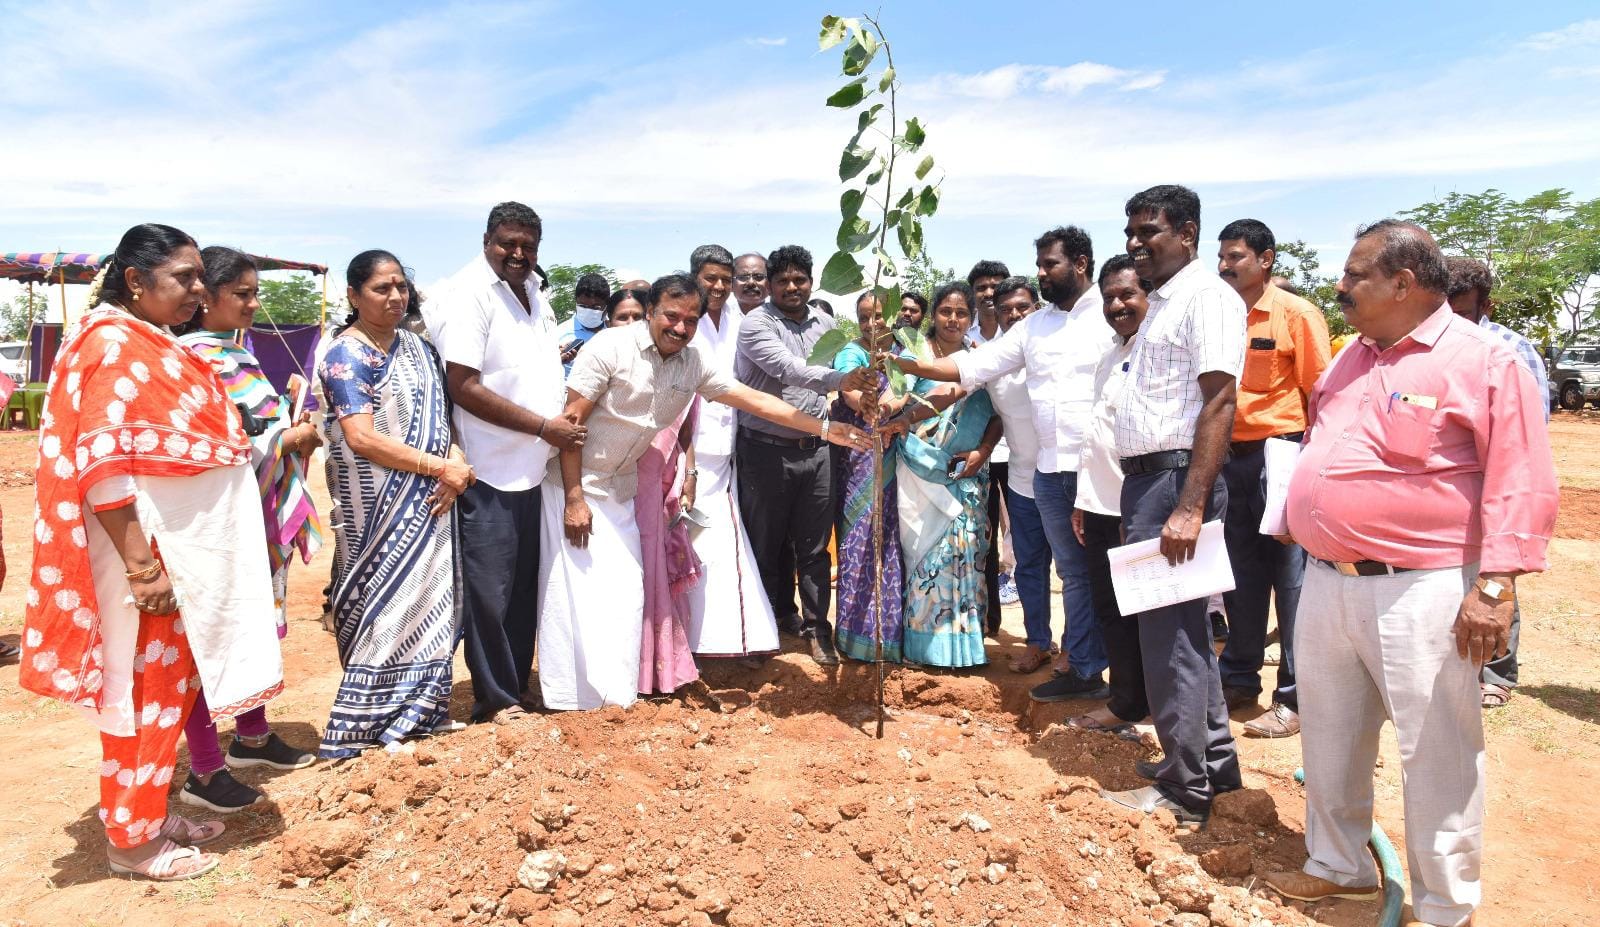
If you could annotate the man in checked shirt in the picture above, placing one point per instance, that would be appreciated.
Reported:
(1425, 488)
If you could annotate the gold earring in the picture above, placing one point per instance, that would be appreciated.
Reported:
(135, 295)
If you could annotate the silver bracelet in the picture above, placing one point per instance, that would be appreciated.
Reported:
(825, 424)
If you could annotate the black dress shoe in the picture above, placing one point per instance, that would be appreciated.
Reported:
(822, 650)
(1237, 697)
(789, 626)
(1219, 627)
(1147, 769)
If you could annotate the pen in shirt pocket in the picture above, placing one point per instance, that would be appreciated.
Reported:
(1425, 402)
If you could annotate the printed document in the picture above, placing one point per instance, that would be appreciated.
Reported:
(1144, 580)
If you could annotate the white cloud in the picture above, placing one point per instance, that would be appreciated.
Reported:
(765, 42)
(1578, 34)
(1012, 80)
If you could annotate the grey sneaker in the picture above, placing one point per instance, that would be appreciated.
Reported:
(1150, 799)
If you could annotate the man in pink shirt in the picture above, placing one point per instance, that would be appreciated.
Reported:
(1425, 488)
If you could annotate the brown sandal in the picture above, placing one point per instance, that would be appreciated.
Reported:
(1495, 696)
(1029, 660)
(187, 833)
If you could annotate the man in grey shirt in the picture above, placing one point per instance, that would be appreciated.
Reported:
(786, 476)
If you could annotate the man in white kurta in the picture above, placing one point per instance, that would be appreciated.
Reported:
(729, 612)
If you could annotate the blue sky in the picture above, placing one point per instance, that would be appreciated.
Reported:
(640, 130)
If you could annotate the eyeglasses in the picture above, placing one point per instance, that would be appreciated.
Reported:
(751, 278)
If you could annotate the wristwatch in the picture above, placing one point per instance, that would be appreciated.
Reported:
(1495, 590)
(692, 471)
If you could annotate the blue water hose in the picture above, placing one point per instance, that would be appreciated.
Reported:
(1394, 893)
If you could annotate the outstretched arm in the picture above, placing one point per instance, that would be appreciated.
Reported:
(776, 410)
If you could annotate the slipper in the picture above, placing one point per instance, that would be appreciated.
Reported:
(172, 864)
(509, 714)
(9, 653)
(187, 833)
(1029, 660)
(1495, 696)
(1090, 723)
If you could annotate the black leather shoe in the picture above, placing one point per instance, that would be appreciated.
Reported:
(822, 651)
(1237, 697)
(1147, 769)
(789, 626)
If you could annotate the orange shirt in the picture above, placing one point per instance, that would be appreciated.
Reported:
(1286, 353)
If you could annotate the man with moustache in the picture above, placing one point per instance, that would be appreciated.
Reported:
(497, 336)
(786, 475)
(1059, 348)
(750, 281)
(1288, 350)
(1425, 488)
(729, 613)
(984, 277)
(1172, 425)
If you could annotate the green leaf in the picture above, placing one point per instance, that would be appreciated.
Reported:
(858, 56)
(897, 377)
(842, 274)
(849, 95)
(914, 341)
(892, 217)
(905, 198)
(868, 117)
(867, 40)
(884, 260)
(855, 234)
(915, 134)
(851, 330)
(831, 343)
(910, 234)
(887, 81)
(924, 167)
(877, 174)
(891, 303)
(832, 33)
(927, 202)
(852, 162)
(850, 203)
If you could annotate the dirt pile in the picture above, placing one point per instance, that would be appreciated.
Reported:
(774, 808)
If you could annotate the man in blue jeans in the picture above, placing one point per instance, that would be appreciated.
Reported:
(1059, 348)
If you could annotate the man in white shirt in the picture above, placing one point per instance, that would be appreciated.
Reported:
(1059, 348)
(503, 369)
(1015, 298)
(1173, 423)
(984, 278)
(729, 615)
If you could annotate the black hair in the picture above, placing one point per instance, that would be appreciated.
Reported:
(1257, 237)
(1407, 246)
(676, 286)
(786, 258)
(1469, 274)
(709, 254)
(865, 295)
(918, 298)
(956, 286)
(1075, 243)
(223, 265)
(592, 285)
(514, 213)
(361, 269)
(1180, 204)
(1012, 284)
(987, 269)
(822, 304)
(642, 297)
(1116, 264)
(143, 248)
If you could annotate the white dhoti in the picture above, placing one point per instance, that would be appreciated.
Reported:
(729, 615)
(591, 611)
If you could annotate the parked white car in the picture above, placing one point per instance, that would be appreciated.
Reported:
(14, 360)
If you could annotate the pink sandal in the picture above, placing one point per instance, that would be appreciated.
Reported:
(172, 863)
(187, 833)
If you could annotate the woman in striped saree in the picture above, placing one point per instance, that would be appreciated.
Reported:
(395, 476)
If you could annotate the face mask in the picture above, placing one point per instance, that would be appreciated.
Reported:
(589, 317)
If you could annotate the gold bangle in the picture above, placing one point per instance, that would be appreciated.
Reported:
(148, 573)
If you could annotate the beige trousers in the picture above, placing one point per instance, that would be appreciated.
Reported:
(1376, 648)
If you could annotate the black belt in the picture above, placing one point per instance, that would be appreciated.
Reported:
(1241, 448)
(1154, 463)
(1363, 567)
(760, 437)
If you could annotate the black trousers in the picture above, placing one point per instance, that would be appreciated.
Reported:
(1265, 572)
(991, 565)
(500, 586)
(1100, 534)
(786, 500)
(1180, 668)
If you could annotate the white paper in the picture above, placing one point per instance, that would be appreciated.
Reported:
(1144, 580)
(1281, 456)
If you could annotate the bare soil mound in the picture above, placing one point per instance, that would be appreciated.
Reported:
(769, 803)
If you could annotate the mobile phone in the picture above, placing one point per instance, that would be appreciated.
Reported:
(957, 464)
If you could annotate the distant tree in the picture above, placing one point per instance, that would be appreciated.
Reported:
(1544, 252)
(17, 315)
(923, 277)
(295, 301)
(1297, 262)
(563, 277)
